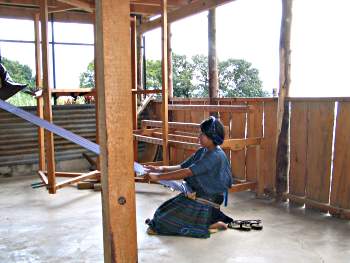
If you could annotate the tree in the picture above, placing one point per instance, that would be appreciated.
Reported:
(182, 77)
(153, 74)
(238, 79)
(87, 78)
(19, 73)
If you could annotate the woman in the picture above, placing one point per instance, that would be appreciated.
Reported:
(207, 174)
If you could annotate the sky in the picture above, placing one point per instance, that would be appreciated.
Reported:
(246, 29)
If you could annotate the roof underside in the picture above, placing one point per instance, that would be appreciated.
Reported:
(82, 11)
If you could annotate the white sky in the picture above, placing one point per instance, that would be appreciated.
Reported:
(246, 29)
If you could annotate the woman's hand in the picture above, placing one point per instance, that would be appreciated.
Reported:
(151, 177)
(154, 169)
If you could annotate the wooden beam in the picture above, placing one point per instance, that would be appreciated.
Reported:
(86, 6)
(170, 64)
(43, 177)
(212, 58)
(211, 108)
(183, 12)
(165, 94)
(172, 125)
(28, 13)
(147, 91)
(115, 126)
(134, 80)
(173, 143)
(283, 106)
(144, 9)
(40, 102)
(49, 142)
(76, 179)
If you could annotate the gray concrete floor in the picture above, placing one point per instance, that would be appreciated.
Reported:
(67, 227)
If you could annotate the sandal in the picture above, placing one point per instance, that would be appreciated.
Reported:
(239, 225)
(255, 224)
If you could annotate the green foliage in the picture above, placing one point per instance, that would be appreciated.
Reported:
(237, 77)
(182, 77)
(21, 74)
(87, 78)
(153, 74)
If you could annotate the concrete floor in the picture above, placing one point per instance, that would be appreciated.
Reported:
(66, 227)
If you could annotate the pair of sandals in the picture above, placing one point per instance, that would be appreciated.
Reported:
(246, 225)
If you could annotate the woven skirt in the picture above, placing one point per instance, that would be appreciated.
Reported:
(184, 217)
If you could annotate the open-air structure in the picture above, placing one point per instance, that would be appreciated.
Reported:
(289, 148)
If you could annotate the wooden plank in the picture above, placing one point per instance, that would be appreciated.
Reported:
(115, 125)
(225, 117)
(49, 142)
(254, 129)
(238, 158)
(319, 150)
(319, 99)
(76, 179)
(86, 6)
(147, 91)
(242, 100)
(177, 154)
(268, 151)
(298, 148)
(342, 213)
(210, 108)
(43, 177)
(340, 195)
(165, 94)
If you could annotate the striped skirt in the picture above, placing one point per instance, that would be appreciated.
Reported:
(184, 217)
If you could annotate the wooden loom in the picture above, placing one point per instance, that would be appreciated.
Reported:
(184, 135)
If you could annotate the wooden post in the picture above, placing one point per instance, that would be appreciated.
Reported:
(170, 64)
(49, 142)
(165, 93)
(283, 106)
(98, 166)
(212, 59)
(115, 126)
(134, 79)
(38, 83)
(139, 58)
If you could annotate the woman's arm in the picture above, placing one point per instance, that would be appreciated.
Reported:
(163, 169)
(173, 175)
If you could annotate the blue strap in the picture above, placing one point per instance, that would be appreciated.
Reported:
(91, 146)
(225, 198)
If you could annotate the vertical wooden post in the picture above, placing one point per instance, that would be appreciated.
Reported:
(170, 64)
(49, 142)
(212, 58)
(139, 45)
(115, 123)
(98, 166)
(165, 93)
(134, 79)
(283, 106)
(38, 83)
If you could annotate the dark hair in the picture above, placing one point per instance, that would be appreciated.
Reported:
(213, 128)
